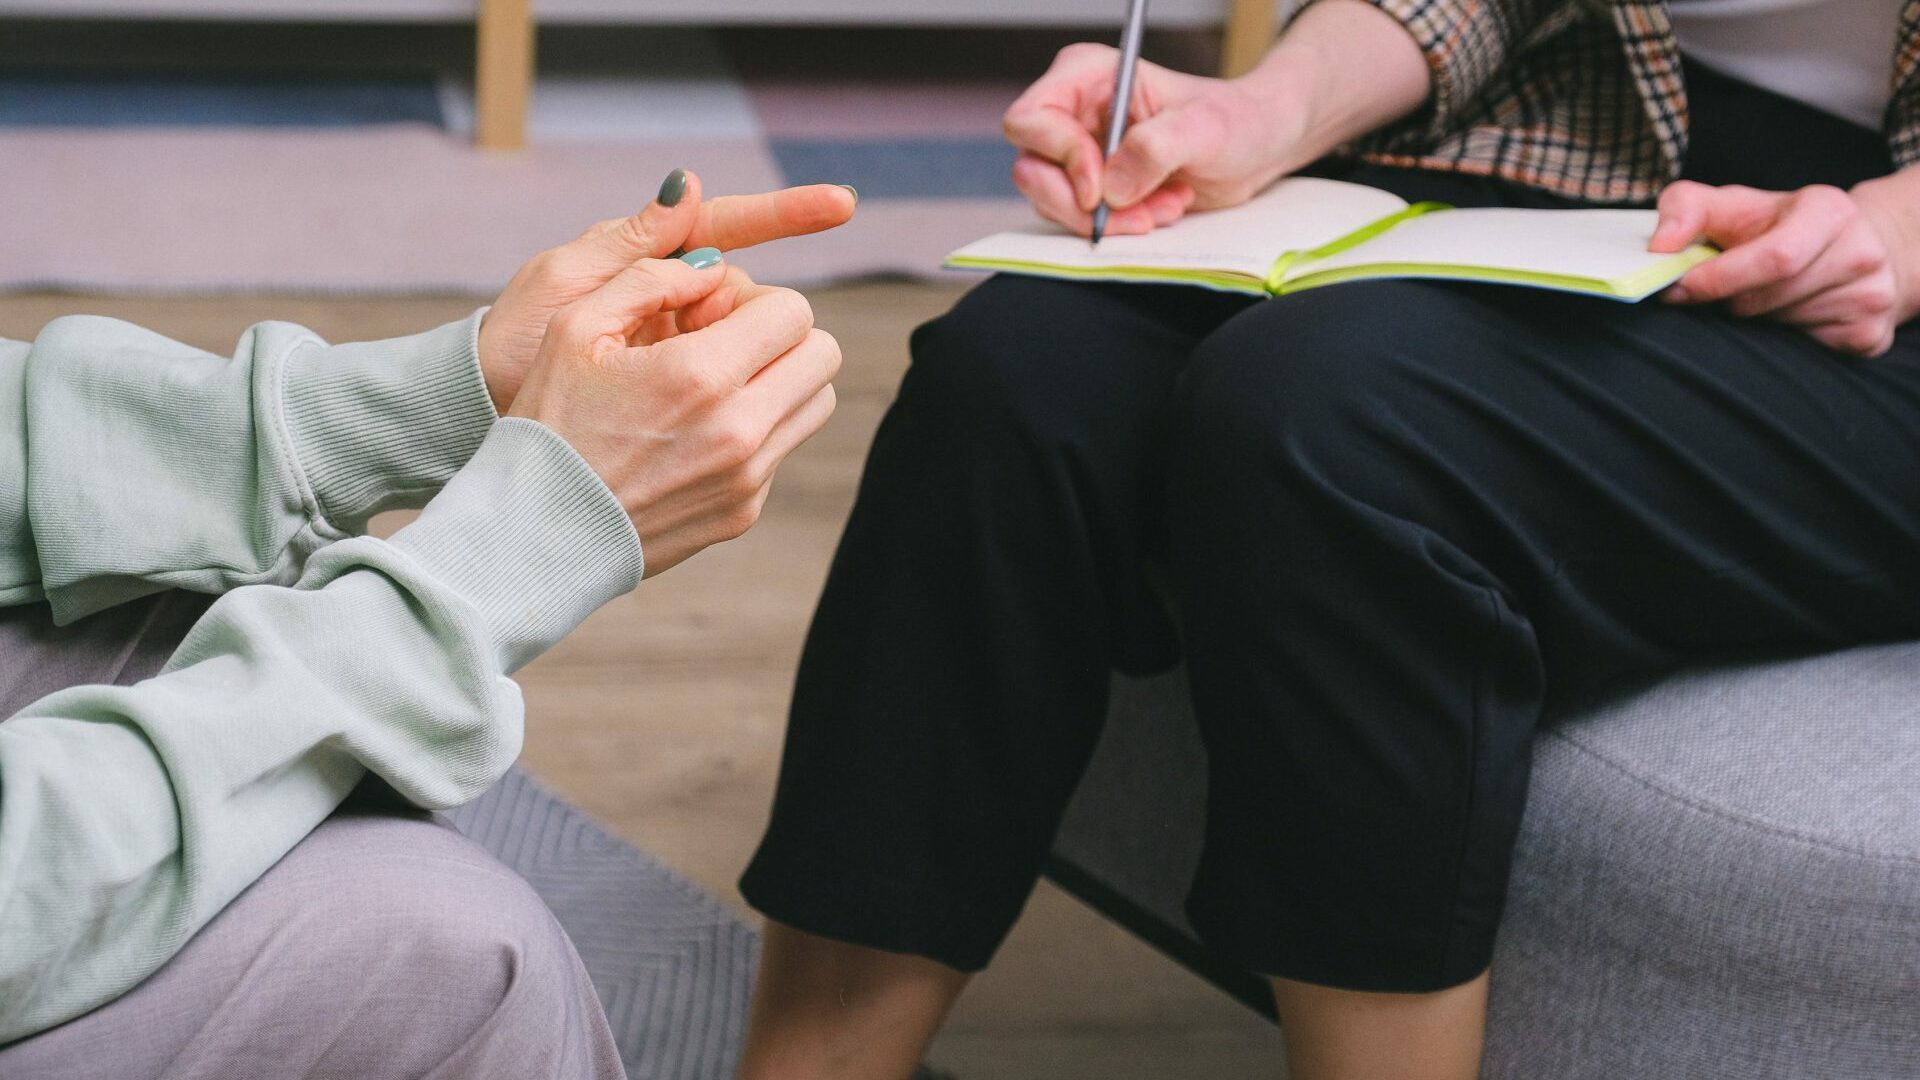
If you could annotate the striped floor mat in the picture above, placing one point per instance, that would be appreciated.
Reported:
(674, 968)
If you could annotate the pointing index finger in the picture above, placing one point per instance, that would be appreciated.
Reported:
(737, 221)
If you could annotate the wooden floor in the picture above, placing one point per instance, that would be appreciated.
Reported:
(662, 716)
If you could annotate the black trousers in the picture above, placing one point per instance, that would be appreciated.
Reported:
(1389, 526)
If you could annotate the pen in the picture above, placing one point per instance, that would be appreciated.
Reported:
(1122, 100)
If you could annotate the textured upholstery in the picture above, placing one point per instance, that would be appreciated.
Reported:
(1718, 876)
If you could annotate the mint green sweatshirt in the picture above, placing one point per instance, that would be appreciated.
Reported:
(129, 816)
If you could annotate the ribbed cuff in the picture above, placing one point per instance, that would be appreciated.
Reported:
(528, 534)
(383, 424)
(19, 567)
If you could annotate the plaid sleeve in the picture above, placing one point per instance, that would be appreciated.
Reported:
(1466, 42)
(1903, 113)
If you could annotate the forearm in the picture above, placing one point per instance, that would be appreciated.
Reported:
(1346, 67)
(1892, 205)
(129, 816)
(138, 464)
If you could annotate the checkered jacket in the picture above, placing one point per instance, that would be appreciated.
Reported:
(1581, 97)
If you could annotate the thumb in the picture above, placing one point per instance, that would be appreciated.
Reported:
(1153, 150)
(657, 231)
(1724, 216)
(641, 291)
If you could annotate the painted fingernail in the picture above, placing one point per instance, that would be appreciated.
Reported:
(854, 191)
(701, 258)
(672, 188)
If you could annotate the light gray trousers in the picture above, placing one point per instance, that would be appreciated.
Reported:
(385, 945)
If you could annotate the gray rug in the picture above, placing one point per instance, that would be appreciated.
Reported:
(673, 967)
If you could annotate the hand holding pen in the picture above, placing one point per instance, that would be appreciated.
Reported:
(1122, 106)
(1188, 142)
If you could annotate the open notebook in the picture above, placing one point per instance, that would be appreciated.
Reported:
(1304, 232)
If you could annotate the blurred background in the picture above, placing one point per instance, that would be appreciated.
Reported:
(371, 168)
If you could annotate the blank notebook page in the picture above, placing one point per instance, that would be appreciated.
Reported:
(1294, 215)
(1605, 245)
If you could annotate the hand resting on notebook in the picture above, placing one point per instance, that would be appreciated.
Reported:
(1840, 265)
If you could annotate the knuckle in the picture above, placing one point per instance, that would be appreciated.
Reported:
(654, 278)
(792, 312)
(1777, 260)
(1878, 298)
(829, 349)
(546, 264)
(633, 229)
(734, 444)
(1858, 337)
(740, 519)
(1829, 200)
(1682, 193)
(1863, 259)
(1078, 52)
(743, 483)
(705, 381)
(571, 323)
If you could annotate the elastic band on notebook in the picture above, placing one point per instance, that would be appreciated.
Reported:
(1277, 277)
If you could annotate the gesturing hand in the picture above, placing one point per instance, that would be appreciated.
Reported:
(684, 388)
(1819, 258)
(1192, 143)
(511, 333)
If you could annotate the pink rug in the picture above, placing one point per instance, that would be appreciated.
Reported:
(387, 210)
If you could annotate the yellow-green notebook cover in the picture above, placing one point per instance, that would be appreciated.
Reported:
(1304, 233)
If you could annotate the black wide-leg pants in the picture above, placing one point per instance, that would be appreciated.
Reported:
(1389, 526)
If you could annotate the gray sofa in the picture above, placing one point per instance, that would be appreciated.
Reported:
(1718, 876)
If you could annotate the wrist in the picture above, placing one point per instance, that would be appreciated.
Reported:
(489, 349)
(528, 535)
(1342, 69)
(1891, 204)
(1281, 90)
(380, 425)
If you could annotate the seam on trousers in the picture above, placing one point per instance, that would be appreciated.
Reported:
(1450, 936)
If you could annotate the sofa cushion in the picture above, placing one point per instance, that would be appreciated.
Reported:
(1718, 874)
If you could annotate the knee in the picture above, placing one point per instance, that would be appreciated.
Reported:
(1348, 388)
(430, 913)
(1009, 360)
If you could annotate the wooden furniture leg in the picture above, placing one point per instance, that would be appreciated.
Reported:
(503, 74)
(1250, 25)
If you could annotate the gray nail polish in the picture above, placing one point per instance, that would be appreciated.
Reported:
(701, 258)
(672, 188)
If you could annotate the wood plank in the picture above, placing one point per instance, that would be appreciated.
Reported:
(1250, 30)
(503, 74)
